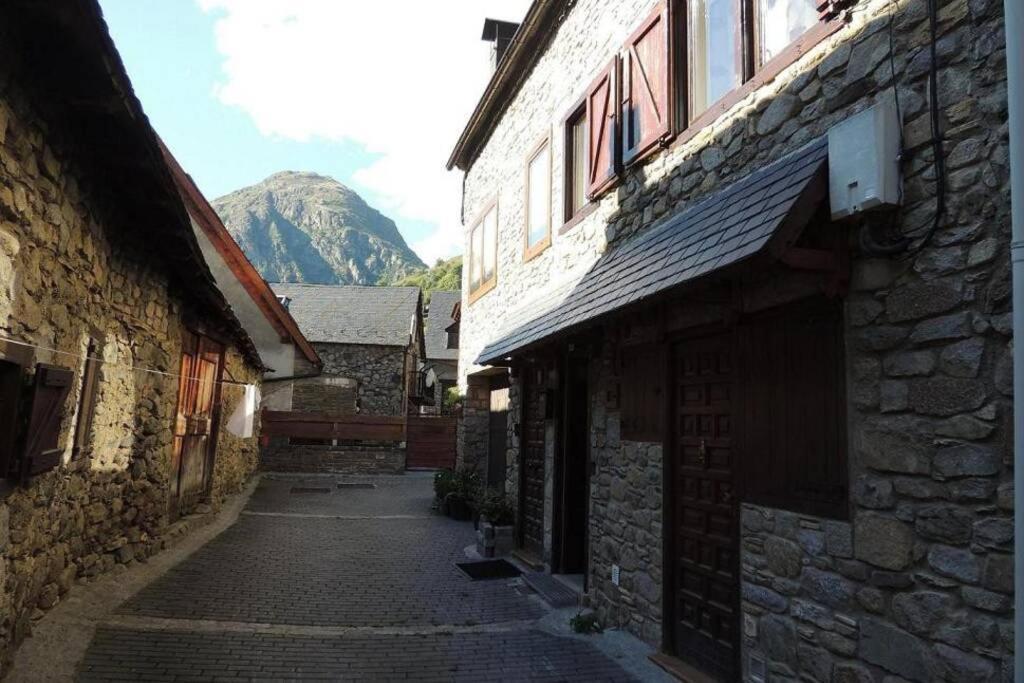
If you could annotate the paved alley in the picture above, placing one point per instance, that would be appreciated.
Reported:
(340, 583)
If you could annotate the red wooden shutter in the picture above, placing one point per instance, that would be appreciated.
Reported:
(10, 394)
(42, 451)
(602, 137)
(646, 118)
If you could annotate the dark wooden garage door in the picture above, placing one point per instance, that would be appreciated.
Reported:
(430, 443)
(705, 511)
(531, 488)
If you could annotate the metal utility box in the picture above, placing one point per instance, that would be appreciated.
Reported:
(863, 161)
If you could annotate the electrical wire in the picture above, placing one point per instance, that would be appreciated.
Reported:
(111, 364)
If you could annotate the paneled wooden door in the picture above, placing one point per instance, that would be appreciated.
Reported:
(704, 560)
(531, 474)
(202, 362)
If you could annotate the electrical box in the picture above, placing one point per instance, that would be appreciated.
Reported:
(864, 161)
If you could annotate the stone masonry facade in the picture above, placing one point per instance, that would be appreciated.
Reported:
(355, 378)
(67, 271)
(917, 583)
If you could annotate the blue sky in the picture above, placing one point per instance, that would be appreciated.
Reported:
(241, 89)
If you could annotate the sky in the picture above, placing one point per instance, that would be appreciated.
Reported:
(371, 93)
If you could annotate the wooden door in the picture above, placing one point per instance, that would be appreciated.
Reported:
(531, 475)
(430, 442)
(497, 432)
(194, 437)
(574, 471)
(705, 586)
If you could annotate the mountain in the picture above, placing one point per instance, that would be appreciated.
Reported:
(304, 227)
(444, 275)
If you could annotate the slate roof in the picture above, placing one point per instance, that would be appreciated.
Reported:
(351, 314)
(439, 317)
(731, 225)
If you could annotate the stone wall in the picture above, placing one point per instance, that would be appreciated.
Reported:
(924, 563)
(366, 458)
(377, 372)
(70, 268)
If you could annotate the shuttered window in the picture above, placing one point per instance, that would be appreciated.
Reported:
(780, 23)
(603, 151)
(575, 162)
(793, 411)
(645, 90)
(87, 400)
(42, 451)
(642, 392)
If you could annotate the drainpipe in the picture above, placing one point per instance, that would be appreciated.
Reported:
(1013, 13)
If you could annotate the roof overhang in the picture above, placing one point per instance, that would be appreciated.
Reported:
(763, 212)
(539, 25)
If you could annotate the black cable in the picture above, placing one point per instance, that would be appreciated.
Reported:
(937, 146)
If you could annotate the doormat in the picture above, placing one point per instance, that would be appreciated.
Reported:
(553, 591)
(355, 485)
(304, 489)
(489, 569)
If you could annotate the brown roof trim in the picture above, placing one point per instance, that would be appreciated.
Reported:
(539, 25)
(253, 283)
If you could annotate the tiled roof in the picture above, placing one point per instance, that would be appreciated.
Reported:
(349, 314)
(439, 317)
(727, 227)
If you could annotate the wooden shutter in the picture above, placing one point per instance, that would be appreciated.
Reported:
(646, 115)
(603, 153)
(642, 393)
(10, 395)
(792, 410)
(42, 450)
(87, 399)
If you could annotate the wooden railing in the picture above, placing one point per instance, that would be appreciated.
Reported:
(327, 426)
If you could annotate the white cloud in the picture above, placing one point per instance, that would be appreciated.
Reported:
(398, 77)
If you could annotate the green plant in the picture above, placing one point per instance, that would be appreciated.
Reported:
(451, 400)
(444, 484)
(465, 482)
(585, 622)
(495, 507)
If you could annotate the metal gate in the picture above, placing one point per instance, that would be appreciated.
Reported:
(430, 442)
(194, 433)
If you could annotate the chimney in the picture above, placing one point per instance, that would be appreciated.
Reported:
(500, 33)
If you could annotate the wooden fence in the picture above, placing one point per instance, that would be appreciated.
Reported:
(327, 426)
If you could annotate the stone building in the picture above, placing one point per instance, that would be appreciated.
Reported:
(121, 362)
(441, 341)
(771, 441)
(370, 340)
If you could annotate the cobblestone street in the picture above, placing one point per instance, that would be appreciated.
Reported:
(319, 581)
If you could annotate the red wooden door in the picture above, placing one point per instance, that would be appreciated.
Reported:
(194, 438)
(531, 476)
(704, 516)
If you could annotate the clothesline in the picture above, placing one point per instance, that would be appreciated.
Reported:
(112, 364)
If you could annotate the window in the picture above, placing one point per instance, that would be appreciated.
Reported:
(538, 200)
(780, 23)
(715, 51)
(453, 339)
(11, 374)
(483, 253)
(792, 409)
(575, 162)
(87, 399)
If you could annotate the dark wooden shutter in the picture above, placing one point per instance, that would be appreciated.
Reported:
(42, 450)
(642, 392)
(11, 375)
(793, 410)
(646, 118)
(87, 400)
(603, 153)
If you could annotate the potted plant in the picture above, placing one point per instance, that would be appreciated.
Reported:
(495, 535)
(444, 484)
(465, 482)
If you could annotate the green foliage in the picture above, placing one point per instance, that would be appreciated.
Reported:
(444, 275)
(451, 399)
(466, 481)
(444, 483)
(585, 622)
(495, 507)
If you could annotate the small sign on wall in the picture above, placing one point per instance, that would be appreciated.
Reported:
(615, 574)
